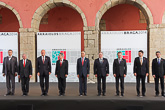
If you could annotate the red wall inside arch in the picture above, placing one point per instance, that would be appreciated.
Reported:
(123, 17)
(64, 19)
(9, 21)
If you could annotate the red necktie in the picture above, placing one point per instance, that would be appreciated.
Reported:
(24, 63)
(60, 63)
(82, 61)
(43, 59)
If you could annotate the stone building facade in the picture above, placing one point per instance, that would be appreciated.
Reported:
(27, 35)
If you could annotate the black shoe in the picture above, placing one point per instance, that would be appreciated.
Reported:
(85, 94)
(42, 94)
(12, 93)
(103, 94)
(7, 94)
(156, 95)
(98, 94)
(122, 95)
(117, 95)
(46, 94)
(143, 95)
(138, 95)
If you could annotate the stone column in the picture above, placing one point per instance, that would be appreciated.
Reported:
(91, 48)
(28, 46)
(156, 43)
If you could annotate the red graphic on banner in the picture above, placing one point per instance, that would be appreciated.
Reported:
(127, 56)
(1, 56)
(64, 52)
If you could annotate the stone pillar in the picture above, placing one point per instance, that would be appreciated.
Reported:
(91, 48)
(156, 43)
(28, 46)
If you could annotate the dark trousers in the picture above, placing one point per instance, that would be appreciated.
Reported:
(61, 85)
(121, 78)
(103, 84)
(44, 83)
(10, 83)
(25, 84)
(82, 84)
(142, 78)
(157, 84)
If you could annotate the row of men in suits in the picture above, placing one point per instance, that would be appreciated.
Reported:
(101, 71)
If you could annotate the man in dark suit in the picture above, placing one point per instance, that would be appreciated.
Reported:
(25, 73)
(61, 73)
(44, 70)
(10, 71)
(158, 72)
(83, 68)
(101, 70)
(141, 70)
(119, 72)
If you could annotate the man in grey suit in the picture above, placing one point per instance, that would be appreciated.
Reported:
(10, 71)
(25, 73)
(119, 72)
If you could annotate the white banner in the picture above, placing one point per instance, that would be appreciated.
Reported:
(55, 42)
(129, 43)
(8, 40)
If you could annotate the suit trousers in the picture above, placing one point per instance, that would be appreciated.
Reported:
(61, 85)
(10, 83)
(103, 78)
(25, 84)
(142, 78)
(121, 78)
(82, 84)
(44, 83)
(157, 85)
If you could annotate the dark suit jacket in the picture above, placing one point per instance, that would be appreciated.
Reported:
(83, 70)
(63, 70)
(101, 69)
(43, 68)
(14, 65)
(119, 69)
(25, 71)
(141, 69)
(158, 69)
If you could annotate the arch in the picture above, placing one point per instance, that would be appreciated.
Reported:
(163, 18)
(14, 11)
(44, 8)
(111, 3)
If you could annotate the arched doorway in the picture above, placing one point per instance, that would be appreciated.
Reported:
(122, 16)
(62, 16)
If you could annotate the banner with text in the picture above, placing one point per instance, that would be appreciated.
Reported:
(55, 42)
(127, 42)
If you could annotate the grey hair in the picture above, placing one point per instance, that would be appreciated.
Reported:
(62, 54)
(23, 54)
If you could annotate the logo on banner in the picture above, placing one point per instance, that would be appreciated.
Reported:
(126, 54)
(1, 56)
(55, 54)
